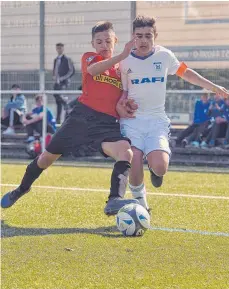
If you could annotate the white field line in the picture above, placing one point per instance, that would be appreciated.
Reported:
(106, 191)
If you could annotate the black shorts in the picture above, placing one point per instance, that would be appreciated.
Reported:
(85, 126)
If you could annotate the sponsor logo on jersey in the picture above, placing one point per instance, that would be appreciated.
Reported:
(147, 80)
(89, 59)
(157, 66)
(108, 80)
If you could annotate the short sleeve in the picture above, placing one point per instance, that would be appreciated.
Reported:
(174, 64)
(88, 59)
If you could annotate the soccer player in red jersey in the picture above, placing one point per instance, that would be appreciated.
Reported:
(92, 122)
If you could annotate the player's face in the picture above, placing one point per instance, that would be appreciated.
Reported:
(104, 43)
(145, 40)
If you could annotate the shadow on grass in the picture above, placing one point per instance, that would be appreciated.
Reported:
(9, 231)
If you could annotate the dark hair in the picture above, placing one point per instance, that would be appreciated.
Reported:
(101, 26)
(144, 21)
(15, 86)
(60, 44)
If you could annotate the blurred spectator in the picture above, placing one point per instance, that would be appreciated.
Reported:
(217, 119)
(63, 70)
(220, 127)
(72, 103)
(13, 111)
(226, 114)
(34, 120)
(200, 121)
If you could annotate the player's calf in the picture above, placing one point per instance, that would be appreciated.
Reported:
(155, 180)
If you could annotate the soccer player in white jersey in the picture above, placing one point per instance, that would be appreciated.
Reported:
(144, 75)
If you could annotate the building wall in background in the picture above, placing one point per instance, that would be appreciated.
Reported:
(197, 31)
(68, 22)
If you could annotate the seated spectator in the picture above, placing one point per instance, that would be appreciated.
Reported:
(226, 115)
(220, 127)
(34, 120)
(200, 121)
(13, 111)
(218, 121)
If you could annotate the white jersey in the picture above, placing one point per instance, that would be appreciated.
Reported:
(145, 79)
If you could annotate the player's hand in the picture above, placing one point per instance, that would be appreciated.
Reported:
(131, 104)
(220, 91)
(126, 108)
(128, 47)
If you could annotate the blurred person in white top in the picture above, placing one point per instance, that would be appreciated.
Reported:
(144, 75)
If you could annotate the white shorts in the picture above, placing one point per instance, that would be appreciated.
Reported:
(147, 134)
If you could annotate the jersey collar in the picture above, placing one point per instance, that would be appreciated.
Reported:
(143, 57)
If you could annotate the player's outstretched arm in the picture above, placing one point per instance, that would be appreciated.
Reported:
(195, 78)
(101, 66)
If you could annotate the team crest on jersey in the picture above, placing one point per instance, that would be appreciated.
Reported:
(89, 59)
(157, 66)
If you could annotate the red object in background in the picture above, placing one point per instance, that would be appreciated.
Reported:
(48, 139)
(38, 144)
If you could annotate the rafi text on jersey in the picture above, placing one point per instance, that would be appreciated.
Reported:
(147, 80)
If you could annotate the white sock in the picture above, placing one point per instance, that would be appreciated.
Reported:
(139, 192)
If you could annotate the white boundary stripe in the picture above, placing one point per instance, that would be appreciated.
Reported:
(172, 230)
(106, 191)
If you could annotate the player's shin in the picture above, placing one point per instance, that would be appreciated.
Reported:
(33, 171)
(119, 179)
(139, 193)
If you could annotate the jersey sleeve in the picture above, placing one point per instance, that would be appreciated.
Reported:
(174, 64)
(124, 77)
(88, 59)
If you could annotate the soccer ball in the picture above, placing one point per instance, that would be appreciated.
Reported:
(133, 220)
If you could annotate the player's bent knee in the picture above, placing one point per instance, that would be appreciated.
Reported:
(46, 159)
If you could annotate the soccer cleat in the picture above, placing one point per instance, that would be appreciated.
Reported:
(155, 180)
(115, 204)
(10, 198)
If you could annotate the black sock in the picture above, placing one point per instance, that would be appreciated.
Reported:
(31, 174)
(119, 179)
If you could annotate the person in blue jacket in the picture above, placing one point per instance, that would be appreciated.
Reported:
(220, 126)
(215, 112)
(13, 111)
(200, 121)
(34, 120)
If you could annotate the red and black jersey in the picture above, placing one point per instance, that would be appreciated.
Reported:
(100, 92)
